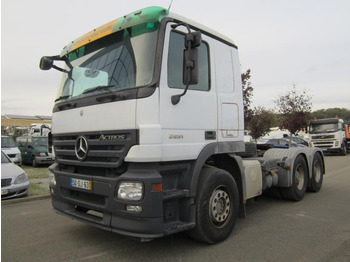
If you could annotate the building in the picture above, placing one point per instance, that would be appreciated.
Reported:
(9, 122)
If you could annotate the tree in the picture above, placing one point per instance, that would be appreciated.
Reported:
(295, 111)
(260, 122)
(247, 96)
(331, 113)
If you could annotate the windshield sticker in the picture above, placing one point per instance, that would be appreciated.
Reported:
(95, 34)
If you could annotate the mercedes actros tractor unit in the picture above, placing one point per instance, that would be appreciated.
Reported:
(148, 132)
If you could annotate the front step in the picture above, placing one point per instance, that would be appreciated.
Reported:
(176, 227)
(175, 193)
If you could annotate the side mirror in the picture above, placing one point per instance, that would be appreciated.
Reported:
(190, 67)
(46, 63)
(190, 58)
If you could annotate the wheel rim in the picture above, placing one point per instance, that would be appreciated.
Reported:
(317, 171)
(219, 206)
(300, 177)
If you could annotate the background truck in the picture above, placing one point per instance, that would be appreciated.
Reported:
(148, 130)
(39, 129)
(331, 135)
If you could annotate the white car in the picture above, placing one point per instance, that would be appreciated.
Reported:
(11, 150)
(14, 181)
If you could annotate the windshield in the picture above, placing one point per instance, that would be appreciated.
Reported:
(323, 128)
(7, 142)
(119, 61)
(40, 141)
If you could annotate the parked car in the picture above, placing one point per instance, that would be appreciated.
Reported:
(299, 140)
(14, 181)
(9, 147)
(280, 143)
(34, 150)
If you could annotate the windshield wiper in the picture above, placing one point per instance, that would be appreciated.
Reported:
(62, 97)
(90, 90)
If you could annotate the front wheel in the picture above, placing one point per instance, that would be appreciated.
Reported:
(217, 206)
(344, 149)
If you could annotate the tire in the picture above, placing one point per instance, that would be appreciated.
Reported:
(297, 191)
(343, 150)
(317, 174)
(217, 206)
(34, 163)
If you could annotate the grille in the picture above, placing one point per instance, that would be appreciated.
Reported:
(6, 182)
(107, 149)
(323, 137)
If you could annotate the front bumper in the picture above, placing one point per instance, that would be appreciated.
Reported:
(100, 207)
(47, 160)
(13, 191)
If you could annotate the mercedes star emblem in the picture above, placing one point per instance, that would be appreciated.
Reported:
(81, 148)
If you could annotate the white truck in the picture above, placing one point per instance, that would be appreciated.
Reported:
(330, 134)
(148, 129)
(39, 129)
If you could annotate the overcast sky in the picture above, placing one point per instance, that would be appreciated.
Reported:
(283, 42)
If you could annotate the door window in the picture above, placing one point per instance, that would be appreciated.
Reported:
(176, 62)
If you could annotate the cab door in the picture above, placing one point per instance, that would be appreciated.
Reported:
(190, 125)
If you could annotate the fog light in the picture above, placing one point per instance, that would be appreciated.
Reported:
(133, 208)
(52, 179)
(130, 191)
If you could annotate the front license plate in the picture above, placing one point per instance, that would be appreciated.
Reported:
(81, 183)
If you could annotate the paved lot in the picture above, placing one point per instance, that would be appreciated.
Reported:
(315, 229)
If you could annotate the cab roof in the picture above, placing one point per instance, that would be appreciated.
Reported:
(146, 15)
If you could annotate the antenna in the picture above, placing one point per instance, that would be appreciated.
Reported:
(170, 5)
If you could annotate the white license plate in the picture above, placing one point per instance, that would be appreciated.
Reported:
(81, 183)
(5, 192)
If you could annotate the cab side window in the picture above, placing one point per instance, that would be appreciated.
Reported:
(176, 62)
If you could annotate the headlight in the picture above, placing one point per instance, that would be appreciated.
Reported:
(130, 191)
(336, 143)
(18, 156)
(21, 179)
(52, 179)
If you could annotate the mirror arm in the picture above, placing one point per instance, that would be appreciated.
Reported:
(60, 69)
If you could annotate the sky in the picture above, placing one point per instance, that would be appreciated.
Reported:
(305, 43)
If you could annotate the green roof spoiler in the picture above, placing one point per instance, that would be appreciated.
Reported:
(145, 15)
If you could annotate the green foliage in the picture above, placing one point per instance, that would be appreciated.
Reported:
(294, 108)
(247, 90)
(342, 113)
(260, 122)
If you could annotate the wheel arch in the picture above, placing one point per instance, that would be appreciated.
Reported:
(229, 162)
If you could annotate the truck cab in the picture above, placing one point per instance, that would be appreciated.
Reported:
(329, 135)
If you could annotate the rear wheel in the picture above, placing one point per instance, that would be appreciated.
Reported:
(297, 190)
(34, 163)
(317, 174)
(217, 206)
